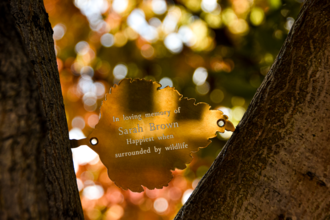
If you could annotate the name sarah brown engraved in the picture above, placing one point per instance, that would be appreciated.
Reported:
(152, 127)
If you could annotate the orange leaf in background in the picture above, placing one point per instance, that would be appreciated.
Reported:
(145, 132)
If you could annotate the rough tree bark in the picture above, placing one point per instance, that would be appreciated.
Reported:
(37, 179)
(276, 165)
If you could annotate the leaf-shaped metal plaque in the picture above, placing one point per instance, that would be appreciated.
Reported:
(145, 132)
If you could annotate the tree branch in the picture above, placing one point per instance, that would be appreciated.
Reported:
(276, 164)
(37, 179)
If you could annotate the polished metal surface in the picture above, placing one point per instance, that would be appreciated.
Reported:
(145, 132)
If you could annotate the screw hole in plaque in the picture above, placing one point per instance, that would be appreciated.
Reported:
(221, 123)
(94, 141)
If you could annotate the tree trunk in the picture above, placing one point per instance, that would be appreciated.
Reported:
(37, 179)
(276, 164)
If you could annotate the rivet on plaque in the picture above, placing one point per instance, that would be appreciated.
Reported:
(145, 132)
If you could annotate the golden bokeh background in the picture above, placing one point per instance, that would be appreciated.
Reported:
(217, 52)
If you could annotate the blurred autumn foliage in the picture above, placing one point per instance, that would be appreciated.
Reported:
(215, 52)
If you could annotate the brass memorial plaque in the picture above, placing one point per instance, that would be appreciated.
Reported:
(145, 132)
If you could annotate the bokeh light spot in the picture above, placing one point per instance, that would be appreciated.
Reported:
(269, 58)
(173, 43)
(120, 71)
(278, 34)
(200, 76)
(160, 205)
(147, 51)
(238, 113)
(80, 184)
(89, 99)
(82, 47)
(155, 22)
(115, 212)
(78, 122)
(166, 82)
(237, 101)
(209, 5)
(186, 35)
(228, 15)
(136, 20)
(93, 192)
(100, 89)
(225, 135)
(238, 26)
(59, 31)
(186, 196)
(214, 21)
(257, 16)
(275, 4)
(87, 72)
(120, 39)
(93, 120)
(195, 183)
(107, 40)
(93, 213)
(175, 193)
(119, 6)
(289, 23)
(203, 89)
(159, 6)
(226, 111)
